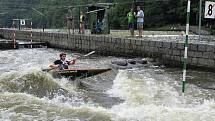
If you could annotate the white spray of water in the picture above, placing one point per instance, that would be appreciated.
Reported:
(148, 99)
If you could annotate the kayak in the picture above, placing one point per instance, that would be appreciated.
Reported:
(78, 73)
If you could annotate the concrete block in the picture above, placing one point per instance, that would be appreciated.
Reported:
(80, 37)
(191, 54)
(90, 37)
(96, 39)
(85, 47)
(176, 52)
(142, 48)
(203, 61)
(201, 47)
(92, 44)
(177, 58)
(199, 54)
(180, 46)
(127, 40)
(208, 55)
(155, 50)
(211, 63)
(85, 42)
(119, 40)
(161, 50)
(106, 39)
(195, 61)
(120, 45)
(167, 56)
(210, 48)
(152, 44)
(182, 53)
(174, 45)
(167, 45)
(167, 51)
(145, 43)
(189, 61)
(85, 37)
(138, 42)
(75, 37)
(123, 41)
(159, 44)
(147, 48)
(114, 40)
(100, 38)
(134, 46)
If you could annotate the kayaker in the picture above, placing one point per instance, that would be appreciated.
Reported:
(62, 63)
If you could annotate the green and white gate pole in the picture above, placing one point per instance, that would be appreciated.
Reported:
(186, 47)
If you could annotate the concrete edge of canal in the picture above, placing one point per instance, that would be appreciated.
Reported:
(169, 50)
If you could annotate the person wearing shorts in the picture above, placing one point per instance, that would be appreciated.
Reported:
(130, 17)
(140, 20)
(82, 23)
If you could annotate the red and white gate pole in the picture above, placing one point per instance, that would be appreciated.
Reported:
(14, 35)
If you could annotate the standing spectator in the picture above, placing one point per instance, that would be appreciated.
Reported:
(70, 21)
(130, 17)
(140, 20)
(82, 23)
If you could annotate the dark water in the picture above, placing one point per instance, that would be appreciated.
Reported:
(144, 93)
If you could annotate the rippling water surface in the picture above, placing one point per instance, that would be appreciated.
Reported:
(151, 93)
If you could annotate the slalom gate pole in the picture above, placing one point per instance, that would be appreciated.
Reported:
(14, 35)
(31, 35)
(186, 47)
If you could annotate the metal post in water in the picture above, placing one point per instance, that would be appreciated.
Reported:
(14, 35)
(186, 46)
(79, 19)
(31, 34)
(200, 18)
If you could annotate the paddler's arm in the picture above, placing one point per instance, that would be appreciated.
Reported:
(53, 66)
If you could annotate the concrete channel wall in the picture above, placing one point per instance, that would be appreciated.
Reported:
(169, 49)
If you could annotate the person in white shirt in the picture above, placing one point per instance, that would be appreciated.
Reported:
(140, 20)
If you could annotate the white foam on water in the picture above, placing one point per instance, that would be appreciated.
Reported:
(149, 99)
(21, 106)
(146, 98)
(27, 107)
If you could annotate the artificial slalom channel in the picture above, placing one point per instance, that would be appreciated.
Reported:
(143, 93)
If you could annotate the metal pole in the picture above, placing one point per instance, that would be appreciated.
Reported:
(14, 35)
(31, 35)
(19, 24)
(200, 18)
(133, 4)
(43, 19)
(79, 19)
(186, 47)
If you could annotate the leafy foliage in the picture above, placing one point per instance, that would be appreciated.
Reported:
(157, 12)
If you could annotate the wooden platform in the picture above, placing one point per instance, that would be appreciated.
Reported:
(33, 43)
(9, 44)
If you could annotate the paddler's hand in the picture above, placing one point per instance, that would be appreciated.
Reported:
(72, 62)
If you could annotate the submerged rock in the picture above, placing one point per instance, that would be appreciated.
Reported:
(143, 61)
(132, 61)
(128, 64)
(120, 63)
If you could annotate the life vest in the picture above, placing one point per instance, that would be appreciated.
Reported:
(64, 64)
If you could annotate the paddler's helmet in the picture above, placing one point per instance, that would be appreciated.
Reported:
(63, 53)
